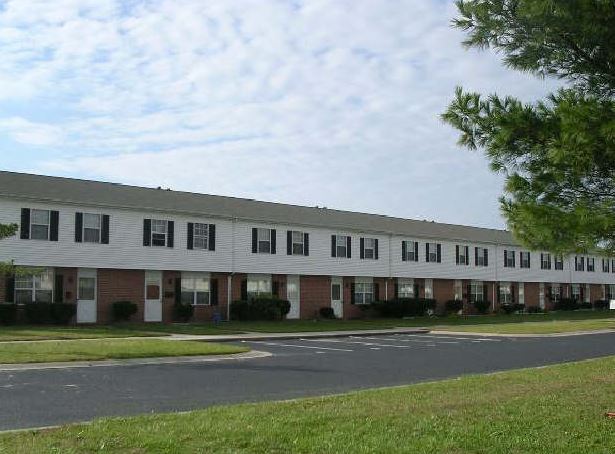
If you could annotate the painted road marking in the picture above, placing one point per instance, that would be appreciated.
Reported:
(430, 336)
(369, 344)
(406, 340)
(272, 344)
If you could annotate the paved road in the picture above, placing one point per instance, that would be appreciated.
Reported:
(297, 368)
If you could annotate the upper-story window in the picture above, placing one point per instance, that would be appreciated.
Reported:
(545, 261)
(433, 252)
(579, 263)
(509, 258)
(410, 251)
(263, 241)
(157, 232)
(462, 255)
(39, 224)
(297, 243)
(558, 262)
(369, 248)
(591, 264)
(201, 236)
(341, 246)
(91, 228)
(605, 265)
(524, 259)
(481, 256)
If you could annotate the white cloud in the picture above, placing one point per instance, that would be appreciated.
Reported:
(318, 102)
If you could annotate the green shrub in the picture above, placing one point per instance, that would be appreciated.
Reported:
(46, 313)
(534, 310)
(8, 314)
(453, 306)
(404, 307)
(326, 312)
(482, 306)
(585, 305)
(567, 304)
(123, 310)
(183, 312)
(601, 305)
(62, 313)
(260, 308)
(512, 308)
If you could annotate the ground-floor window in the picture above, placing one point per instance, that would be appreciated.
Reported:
(259, 284)
(458, 289)
(576, 292)
(476, 291)
(405, 288)
(195, 288)
(556, 292)
(34, 288)
(87, 288)
(505, 293)
(363, 293)
(428, 288)
(521, 293)
(609, 292)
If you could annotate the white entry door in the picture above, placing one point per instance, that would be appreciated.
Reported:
(86, 295)
(337, 297)
(293, 294)
(153, 296)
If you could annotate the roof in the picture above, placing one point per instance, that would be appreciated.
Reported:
(102, 194)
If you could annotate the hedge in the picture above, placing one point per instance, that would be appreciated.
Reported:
(268, 308)
(8, 314)
(45, 313)
(404, 307)
(123, 310)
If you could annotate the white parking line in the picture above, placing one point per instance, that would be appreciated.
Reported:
(272, 344)
(369, 344)
(405, 340)
(430, 336)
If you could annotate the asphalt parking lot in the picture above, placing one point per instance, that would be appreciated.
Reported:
(297, 368)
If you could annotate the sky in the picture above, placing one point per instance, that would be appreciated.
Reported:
(330, 103)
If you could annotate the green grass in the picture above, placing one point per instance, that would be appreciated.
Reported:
(536, 327)
(100, 349)
(33, 332)
(557, 409)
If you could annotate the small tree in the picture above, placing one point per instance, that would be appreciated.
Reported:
(6, 231)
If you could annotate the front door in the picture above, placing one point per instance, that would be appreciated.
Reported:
(153, 296)
(337, 297)
(293, 292)
(86, 296)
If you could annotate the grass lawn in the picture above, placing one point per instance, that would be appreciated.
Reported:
(33, 332)
(554, 409)
(536, 327)
(100, 349)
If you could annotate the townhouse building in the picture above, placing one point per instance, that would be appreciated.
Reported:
(96, 243)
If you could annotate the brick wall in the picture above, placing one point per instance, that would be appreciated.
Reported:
(120, 285)
(443, 290)
(595, 292)
(315, 293)
(70, 283)
(236, 286)
(531, 294)
(3, 289)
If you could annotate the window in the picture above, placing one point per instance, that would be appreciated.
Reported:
(200, 236)
(340, 246)
(39, 224)
(410, 251)
(524, 259)
(432, 252)
(363, 293)
(159, 232)
(505, 294)
(605, 265)
(476, 291)
(545, 261)
(559, 262)
(509, 258)
(336, 292)
(297, 243)
(87, 288)
(369, 248)
(259, 285)
(405, 288)
(576, 292)
(481, 256)
(34, 289)
(591, 264)
(521, 293)
(195, 289)
(462, 255)
(264, 241)
(428, 288)
(91, 227)
(556, 292)
(579, 263)
(458, 289)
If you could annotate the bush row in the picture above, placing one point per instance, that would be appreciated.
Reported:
(39, 313)
(260, 309)
(404, 307)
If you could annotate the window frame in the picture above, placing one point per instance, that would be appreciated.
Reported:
(36, 286)
(84, 227)
(402, 288)
(464, 254)
(371, 249)
(558, 263)
(33, 211)
(193, 289)
(591, 268)
(261, 241)
(525, 260)
(433, 251)
(579, 263)
(606, 266)
(411, 247)
(545, 261)
(508, 294)
(363, 289)
(344, 240)
(297, 234)
(79, 288)
(473, 286)
(198, 237)
(155, 223)
(509, 261)
(259, 279)
(480, 256)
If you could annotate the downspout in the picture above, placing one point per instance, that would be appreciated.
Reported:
(497, 261)
(229, 279)
(386, 283)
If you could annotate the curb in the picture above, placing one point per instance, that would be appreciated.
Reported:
(523, 335)
(254, 354)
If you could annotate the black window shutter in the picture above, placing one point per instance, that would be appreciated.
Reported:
(211, 234)
(273, 240)
(486, 253)
(244, 290)
(362, 247)
(9, 289)
(376, 248)
(352, 293)
(404, 251)
(178, 290)
(78, 227)
(485, 294)
(476, 256)
(54, 225)
(190, 240)
(416, 251)
(427, 252)
(306, 244)
(213, 295)
(467, 255)
(58, 289)
(512, 293)
(254, 240)
(289, 242)
(528, 260)
(505, 258)
(25, 224)
(333, 250)
(514, 257)
(415, 289)
(275, 288)
(170, 233)
(439, 253)
(349, 247)
(457, 254)
(376, 291)
(396, 290)
(104, 234)
(147, 232)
